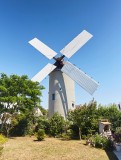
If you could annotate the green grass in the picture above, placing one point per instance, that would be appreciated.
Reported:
(2, 141)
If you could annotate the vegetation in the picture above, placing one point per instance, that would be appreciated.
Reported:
(68, 134)
(19, 99)
(25, 148)
(56, 124)
(2, 141)
(40, 134)
(86, 117)
(19, 96)
(43, 123)
(100, 141)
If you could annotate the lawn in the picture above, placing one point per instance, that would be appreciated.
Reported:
(27, 148)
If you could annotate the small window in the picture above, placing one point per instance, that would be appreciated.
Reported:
(53, 96)
(72, 104)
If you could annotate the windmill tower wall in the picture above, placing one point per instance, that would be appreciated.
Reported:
(61, 93)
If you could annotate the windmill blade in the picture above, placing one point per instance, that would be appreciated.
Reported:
(41, 47)
(86, 82)
(43, 73)
(76, 43)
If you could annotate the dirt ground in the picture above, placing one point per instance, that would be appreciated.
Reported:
(27, 148)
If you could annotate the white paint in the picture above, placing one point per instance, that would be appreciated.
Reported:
(43, 73)
(41, 47)
(63, 87)
(86, 82)
(76, 43)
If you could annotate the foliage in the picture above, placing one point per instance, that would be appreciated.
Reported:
(44, 111)
(8, 121)
(85, 117)
(20, 129)
(111, 113)
(56, 123)
(43, 123)
(2, 141)
(117, 136)
(101, 142)
(75, 130)
(40, 134)
(18, 95)
(68, 135)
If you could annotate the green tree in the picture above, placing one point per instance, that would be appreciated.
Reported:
(85, 118)
(43, 123)
(111, 113)
(56, 123)
(20, 95)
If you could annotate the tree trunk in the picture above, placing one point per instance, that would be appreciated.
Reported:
(7, 131)
(79, 133)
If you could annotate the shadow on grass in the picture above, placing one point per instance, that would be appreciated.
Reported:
(63, 139)
(35, 140)
(69, 139)
(111, 155)
(1, 148)
(11, 137)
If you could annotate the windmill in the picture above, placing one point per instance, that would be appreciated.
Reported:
(63, 74)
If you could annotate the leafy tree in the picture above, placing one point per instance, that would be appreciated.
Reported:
(111, 113)
(22, 126)
(8, 121)
(20, 95)
(56, 124)
(43, 123)
(85, 118)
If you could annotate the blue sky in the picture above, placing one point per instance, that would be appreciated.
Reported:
(57, 22)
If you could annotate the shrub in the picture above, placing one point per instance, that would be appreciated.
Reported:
(68, 135)
(56, 124)
(42, 123)
(75, 130)
(101, 142)
(84, 137)
(64, 136)
(40, 134)
(2, 141)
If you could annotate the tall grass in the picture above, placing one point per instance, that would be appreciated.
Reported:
(2, 141)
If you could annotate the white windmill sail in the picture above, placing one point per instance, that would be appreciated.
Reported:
(63, 84)
(43, 73)
(80, 77)
(44, 49)
(76, 43)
